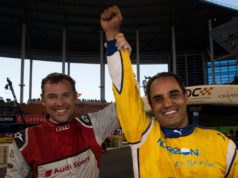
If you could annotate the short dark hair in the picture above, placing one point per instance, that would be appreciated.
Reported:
(55, 78)
(161, 75)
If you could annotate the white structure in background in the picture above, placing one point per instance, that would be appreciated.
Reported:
(226, 35)
(226, 3)
(208, 94)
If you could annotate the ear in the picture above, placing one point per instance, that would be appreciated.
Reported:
(186, 97)
(75, 96)
(42, 100)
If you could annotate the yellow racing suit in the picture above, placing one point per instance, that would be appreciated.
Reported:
(192, 152)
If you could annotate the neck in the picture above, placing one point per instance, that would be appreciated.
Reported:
(55, 122)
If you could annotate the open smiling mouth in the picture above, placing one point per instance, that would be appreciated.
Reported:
(60, 111)
(170, 113)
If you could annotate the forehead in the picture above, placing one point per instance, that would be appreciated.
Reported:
(164, 84)
(60, 85)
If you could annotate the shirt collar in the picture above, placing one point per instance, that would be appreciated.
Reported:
(178, 132)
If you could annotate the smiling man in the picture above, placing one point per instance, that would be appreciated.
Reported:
(169, 145)
(64, 145)
(59, 97)
(169, 103)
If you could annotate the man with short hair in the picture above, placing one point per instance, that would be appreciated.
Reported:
(64, 145)
(171, 145)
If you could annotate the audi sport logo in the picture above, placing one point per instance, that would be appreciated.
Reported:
(58, 170)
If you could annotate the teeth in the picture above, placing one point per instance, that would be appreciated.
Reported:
(170, 112)
(60, 110)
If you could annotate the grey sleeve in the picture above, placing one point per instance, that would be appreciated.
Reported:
(16, 164)
(104, 122)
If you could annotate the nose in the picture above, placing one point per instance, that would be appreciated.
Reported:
(59, 101)
(167, 102)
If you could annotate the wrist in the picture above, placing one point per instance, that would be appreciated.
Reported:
(110, 35)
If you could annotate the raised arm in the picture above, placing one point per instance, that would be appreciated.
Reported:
(128, 101)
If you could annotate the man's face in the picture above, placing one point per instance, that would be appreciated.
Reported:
(169, 103)
(59, 100)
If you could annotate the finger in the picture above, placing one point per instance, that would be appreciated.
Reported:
(120, 40)
(106, 15)
(120, 44)
(110, 12)
(116, 10)
(119, 36)
(126, 47)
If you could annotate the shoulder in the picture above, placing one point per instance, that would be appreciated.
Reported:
(213, 134)
(22, 137)
(84, 120)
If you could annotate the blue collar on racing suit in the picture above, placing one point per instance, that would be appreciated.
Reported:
(178, 132)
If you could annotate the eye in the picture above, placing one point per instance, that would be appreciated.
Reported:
(67, 95)
(51, 97)
(175, 95)
(158, 99)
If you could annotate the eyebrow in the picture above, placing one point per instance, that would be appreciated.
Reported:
(174, 91)
(65, 93)
(170, 92)
(156, 96)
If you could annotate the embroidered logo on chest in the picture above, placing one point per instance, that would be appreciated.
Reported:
(61, 128)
